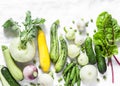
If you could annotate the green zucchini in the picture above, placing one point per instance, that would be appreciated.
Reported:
(89, 50)
(54, 43)
(101, 63)
(6, 77)
(63, 55)
(13, 68)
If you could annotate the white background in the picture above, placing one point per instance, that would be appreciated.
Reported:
(65, 11)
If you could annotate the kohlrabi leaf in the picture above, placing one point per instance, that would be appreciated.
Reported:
(30, 30)
(11, 24)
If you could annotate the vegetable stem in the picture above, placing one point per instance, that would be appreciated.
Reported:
(110, 62)
(116, 59)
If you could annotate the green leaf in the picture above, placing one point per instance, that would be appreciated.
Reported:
(31, 28)
(38, 21)
(11, 24)
(108, 33)
(103, 21)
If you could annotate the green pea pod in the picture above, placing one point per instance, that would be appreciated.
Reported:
(74, 79)
(72, 73)
(63, 55)
(67, 79)
(89, 50)
(69, 66)
(78, 76)
(54, 44)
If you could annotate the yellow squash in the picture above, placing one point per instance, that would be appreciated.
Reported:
(43, 52)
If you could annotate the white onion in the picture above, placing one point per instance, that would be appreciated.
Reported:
(45, 80)
(88, 74)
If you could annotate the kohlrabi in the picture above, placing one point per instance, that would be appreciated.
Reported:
(73, 51)
(22, 48)
(70, 33)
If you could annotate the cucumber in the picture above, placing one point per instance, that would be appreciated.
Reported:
(89, 50)
(54, 43)
(13, 68)
(6, 77)
(63, 55)
(101, 63)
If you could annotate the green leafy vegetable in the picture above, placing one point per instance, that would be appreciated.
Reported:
(30, 30)
(11, 24)
(107, 34)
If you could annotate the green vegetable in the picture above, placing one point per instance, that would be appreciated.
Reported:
(74, 79)
(101, 63)
(73, 51)
(69, 66)
(12, 26)
(63, 55)
(70, 33)
(67, 79)
(72, 73)
(89, 50)
(54, 44)
(82, 59)
(60, 79)
(107, 34)
(6, 77)
(24, 44)
(13, 68)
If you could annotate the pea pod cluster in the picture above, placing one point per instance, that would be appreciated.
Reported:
(71, 75)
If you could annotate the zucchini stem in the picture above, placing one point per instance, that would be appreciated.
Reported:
(4, 47)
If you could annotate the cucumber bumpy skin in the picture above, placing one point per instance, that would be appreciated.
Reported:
(54, 43)
(63, 55)
(89, 50)
(101, 63)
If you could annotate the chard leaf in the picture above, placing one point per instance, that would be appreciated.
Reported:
(108, 32)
